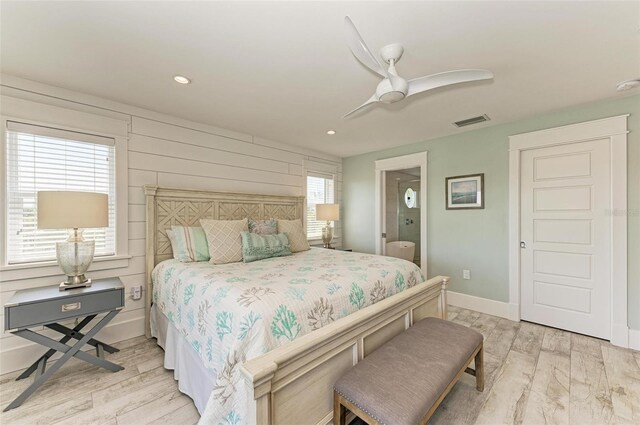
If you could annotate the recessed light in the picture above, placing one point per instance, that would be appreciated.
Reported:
(331, 132)
(628, 85)
(181, 79)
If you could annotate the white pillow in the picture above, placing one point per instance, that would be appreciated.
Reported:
(295, 233)
(223, 238)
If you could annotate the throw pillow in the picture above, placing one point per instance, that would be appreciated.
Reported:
(258, 247)
(188, 244)
(223, 237)
(263, 227)
(294, 231)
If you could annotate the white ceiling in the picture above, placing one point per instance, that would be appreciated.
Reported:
(283, 70)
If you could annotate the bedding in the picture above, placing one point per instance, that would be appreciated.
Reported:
(234, 312)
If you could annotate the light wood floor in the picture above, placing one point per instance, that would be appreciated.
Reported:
(534, 375)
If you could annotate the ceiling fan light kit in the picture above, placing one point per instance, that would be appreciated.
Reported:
(394, 88)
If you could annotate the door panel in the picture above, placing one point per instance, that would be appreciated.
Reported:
(564, 264)
(557, 166)
(565, 199)
(562, 231)
(564, 297)
(562, 198)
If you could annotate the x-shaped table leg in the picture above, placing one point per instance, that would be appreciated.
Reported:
(69, 351)
(42, 361)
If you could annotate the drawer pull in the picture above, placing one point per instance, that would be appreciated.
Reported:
(71, 306)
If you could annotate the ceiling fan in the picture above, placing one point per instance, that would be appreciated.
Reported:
(394, 88)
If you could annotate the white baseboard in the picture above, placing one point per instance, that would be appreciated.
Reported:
(484, 305)
(22, 356)
(634, 339)
(623, 336)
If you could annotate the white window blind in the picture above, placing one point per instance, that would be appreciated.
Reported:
(43, 158)
(320, 190)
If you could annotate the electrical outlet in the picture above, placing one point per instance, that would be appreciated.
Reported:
(466, 274)
(136, 292)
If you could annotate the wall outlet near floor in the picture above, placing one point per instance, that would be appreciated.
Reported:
(466, 274)
(136, 292)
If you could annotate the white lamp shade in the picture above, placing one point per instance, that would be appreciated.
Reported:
(70, 210)
(327, 212)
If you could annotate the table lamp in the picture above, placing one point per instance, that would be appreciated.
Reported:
(328, 212)
(76, 211)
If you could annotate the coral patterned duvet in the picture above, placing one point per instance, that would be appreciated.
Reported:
(233, 312)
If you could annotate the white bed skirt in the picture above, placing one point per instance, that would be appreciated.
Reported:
(193, 378)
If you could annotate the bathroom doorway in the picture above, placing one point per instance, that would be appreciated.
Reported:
(401, 208)
(403, 214)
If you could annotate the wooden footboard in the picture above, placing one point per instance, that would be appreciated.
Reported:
(293, 384)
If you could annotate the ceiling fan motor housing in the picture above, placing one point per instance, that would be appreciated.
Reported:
(387, 94)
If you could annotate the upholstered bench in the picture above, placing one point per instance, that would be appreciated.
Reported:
(404, 381)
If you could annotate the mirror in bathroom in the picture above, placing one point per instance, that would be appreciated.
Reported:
(411, 198)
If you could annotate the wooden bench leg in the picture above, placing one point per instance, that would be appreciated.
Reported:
(339, 411)
(479, 364)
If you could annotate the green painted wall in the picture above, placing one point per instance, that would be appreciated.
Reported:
(477, 239)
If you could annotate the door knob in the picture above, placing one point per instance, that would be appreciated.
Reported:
(523, 244)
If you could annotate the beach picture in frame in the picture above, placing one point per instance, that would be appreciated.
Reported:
(465, 192)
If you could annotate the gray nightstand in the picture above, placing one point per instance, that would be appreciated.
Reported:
(47, 306)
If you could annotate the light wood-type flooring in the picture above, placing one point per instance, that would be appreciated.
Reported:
(534, 375)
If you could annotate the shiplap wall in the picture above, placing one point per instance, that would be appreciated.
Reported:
(169, 152)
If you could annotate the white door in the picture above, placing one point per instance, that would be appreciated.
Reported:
(565, 225)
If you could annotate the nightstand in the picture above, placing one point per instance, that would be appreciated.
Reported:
(46, 307)
(341, 249)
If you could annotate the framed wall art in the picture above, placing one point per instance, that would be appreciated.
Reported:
(465, 192)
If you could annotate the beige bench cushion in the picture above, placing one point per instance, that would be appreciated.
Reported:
(400, 381)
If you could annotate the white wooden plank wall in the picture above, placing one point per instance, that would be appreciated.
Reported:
(169, 152)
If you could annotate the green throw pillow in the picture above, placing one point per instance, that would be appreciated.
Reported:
(189, 244)
(258, 247)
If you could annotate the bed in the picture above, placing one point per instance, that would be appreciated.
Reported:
(263, 342)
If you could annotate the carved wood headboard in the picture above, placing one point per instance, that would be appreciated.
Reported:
(185, 207)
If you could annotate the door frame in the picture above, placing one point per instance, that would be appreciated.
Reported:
(394, 164)
(614, 129)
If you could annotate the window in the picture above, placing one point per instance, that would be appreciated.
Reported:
(43, 158)
(320, 190)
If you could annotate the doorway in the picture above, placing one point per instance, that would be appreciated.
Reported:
(402, 200)
(565, 254)
(401, 206)
(568, 247)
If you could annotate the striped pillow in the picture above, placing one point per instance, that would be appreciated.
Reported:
(189, 244)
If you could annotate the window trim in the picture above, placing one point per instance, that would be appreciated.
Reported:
(50, 268)
(322, 174)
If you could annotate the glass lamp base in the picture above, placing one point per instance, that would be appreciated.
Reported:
(74, 258)
(327, 236)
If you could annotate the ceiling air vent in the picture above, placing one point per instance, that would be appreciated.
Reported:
(471, 121)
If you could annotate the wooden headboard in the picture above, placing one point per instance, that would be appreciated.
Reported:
(185, 207)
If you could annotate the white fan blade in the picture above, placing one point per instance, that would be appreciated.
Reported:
(361, 51)
(419, 85)
(372, 99)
